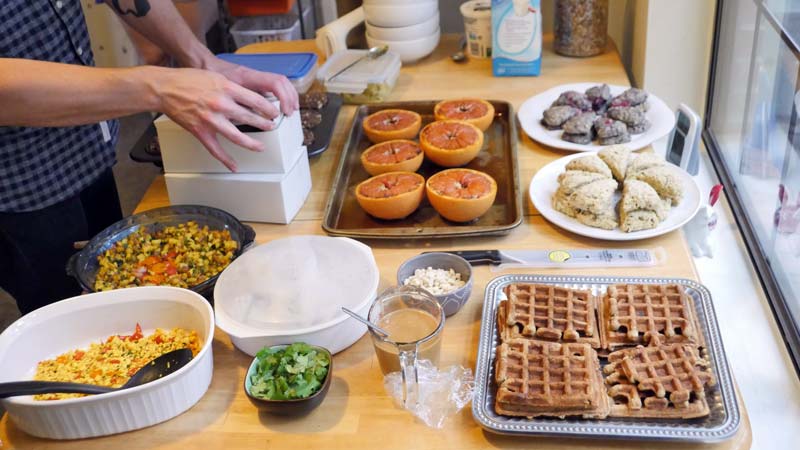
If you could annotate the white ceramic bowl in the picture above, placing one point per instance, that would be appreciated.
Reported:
(292, 290)
(79, 321)
(400, 14)
(411, 50)
(425, 28)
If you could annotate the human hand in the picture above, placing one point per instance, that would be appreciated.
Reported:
(261, 82)
(205, 103)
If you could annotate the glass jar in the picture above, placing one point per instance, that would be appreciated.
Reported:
(581, 27)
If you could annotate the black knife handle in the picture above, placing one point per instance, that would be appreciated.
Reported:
(478, 257)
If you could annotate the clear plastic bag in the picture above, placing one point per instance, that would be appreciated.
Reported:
(442, 393)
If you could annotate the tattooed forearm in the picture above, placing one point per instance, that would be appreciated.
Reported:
(140, 8)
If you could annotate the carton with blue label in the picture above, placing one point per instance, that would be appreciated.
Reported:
(516, 38)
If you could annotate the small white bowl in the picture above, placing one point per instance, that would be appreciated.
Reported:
(425, 28)
(411, 50)
(392, 15)
(77, 322)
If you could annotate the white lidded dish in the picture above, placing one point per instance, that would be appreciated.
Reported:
(369, 80)
(292, 290)
(79, 321)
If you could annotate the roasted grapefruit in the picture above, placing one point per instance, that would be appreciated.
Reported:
(391, 124)
(398, 155)
(391, 195)
(451, 143)
(475, 111)
(461, 195)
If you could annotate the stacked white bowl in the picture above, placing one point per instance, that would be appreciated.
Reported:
(409, 27)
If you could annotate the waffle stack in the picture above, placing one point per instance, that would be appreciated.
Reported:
(665, 381)
(538, 378)
(549, 313)
(637, 314)
(547, 362)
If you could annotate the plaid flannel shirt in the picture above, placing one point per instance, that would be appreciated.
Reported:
(43, 166)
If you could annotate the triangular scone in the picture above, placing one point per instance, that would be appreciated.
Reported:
(590, 163)
(569, 182)
(640, 195)
(664, 181)
(616, 158)
(644, 161)
(638, 220)
(593, 204)
(640, 207)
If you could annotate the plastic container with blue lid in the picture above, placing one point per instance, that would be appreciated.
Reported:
(299, 68)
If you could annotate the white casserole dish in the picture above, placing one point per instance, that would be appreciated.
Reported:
(292, 290)
(77, 322)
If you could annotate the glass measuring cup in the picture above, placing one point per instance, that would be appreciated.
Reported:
(414, 320)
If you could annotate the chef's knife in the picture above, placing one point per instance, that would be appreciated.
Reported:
(565, 258)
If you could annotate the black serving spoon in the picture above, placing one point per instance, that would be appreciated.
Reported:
(155, 369)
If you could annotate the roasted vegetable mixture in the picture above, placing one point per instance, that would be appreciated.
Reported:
(184, 255)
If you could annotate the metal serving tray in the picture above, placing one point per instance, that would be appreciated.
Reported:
(498, 158)
(721, 424)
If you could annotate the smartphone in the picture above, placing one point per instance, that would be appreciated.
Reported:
(683, 148)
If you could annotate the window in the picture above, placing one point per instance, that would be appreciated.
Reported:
(752, 133)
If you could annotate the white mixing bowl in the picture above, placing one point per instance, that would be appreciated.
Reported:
(410, 50)
(75, 323)
(425, 28)
(399, 15)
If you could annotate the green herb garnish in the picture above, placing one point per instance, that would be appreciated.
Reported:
(291, 373)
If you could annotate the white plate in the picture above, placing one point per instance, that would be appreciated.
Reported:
(545, 182)
(661, 117)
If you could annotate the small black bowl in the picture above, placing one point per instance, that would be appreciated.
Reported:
(292, 407)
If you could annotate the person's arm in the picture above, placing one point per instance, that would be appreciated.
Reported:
(38, 93)
(161, 23)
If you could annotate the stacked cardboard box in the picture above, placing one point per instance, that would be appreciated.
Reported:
(269, 186)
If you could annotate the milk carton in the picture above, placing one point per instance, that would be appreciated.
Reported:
(516, 38)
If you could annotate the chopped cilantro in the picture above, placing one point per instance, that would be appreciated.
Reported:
(291, 373)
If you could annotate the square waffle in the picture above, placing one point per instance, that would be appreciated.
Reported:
(640, 314)
(666, 381)
(551, 313)
(537, 378)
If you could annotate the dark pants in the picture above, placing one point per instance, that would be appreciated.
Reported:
(35, 246)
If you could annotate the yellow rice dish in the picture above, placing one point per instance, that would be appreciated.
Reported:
(113, 362)
(184, 256)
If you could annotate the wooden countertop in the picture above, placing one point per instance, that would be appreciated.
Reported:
(357, 413)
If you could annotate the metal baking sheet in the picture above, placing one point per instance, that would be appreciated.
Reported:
(498, 158)
(721, 424)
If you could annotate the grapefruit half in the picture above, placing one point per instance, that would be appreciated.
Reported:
(391, 124)
(461, 195)
(392, 195)
(398, 155)
(475, 111)
(451, 143)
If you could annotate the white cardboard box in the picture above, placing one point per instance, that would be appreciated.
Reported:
(183, 153)
(256, 197)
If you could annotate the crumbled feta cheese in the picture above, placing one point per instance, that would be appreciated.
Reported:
(435, 281)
